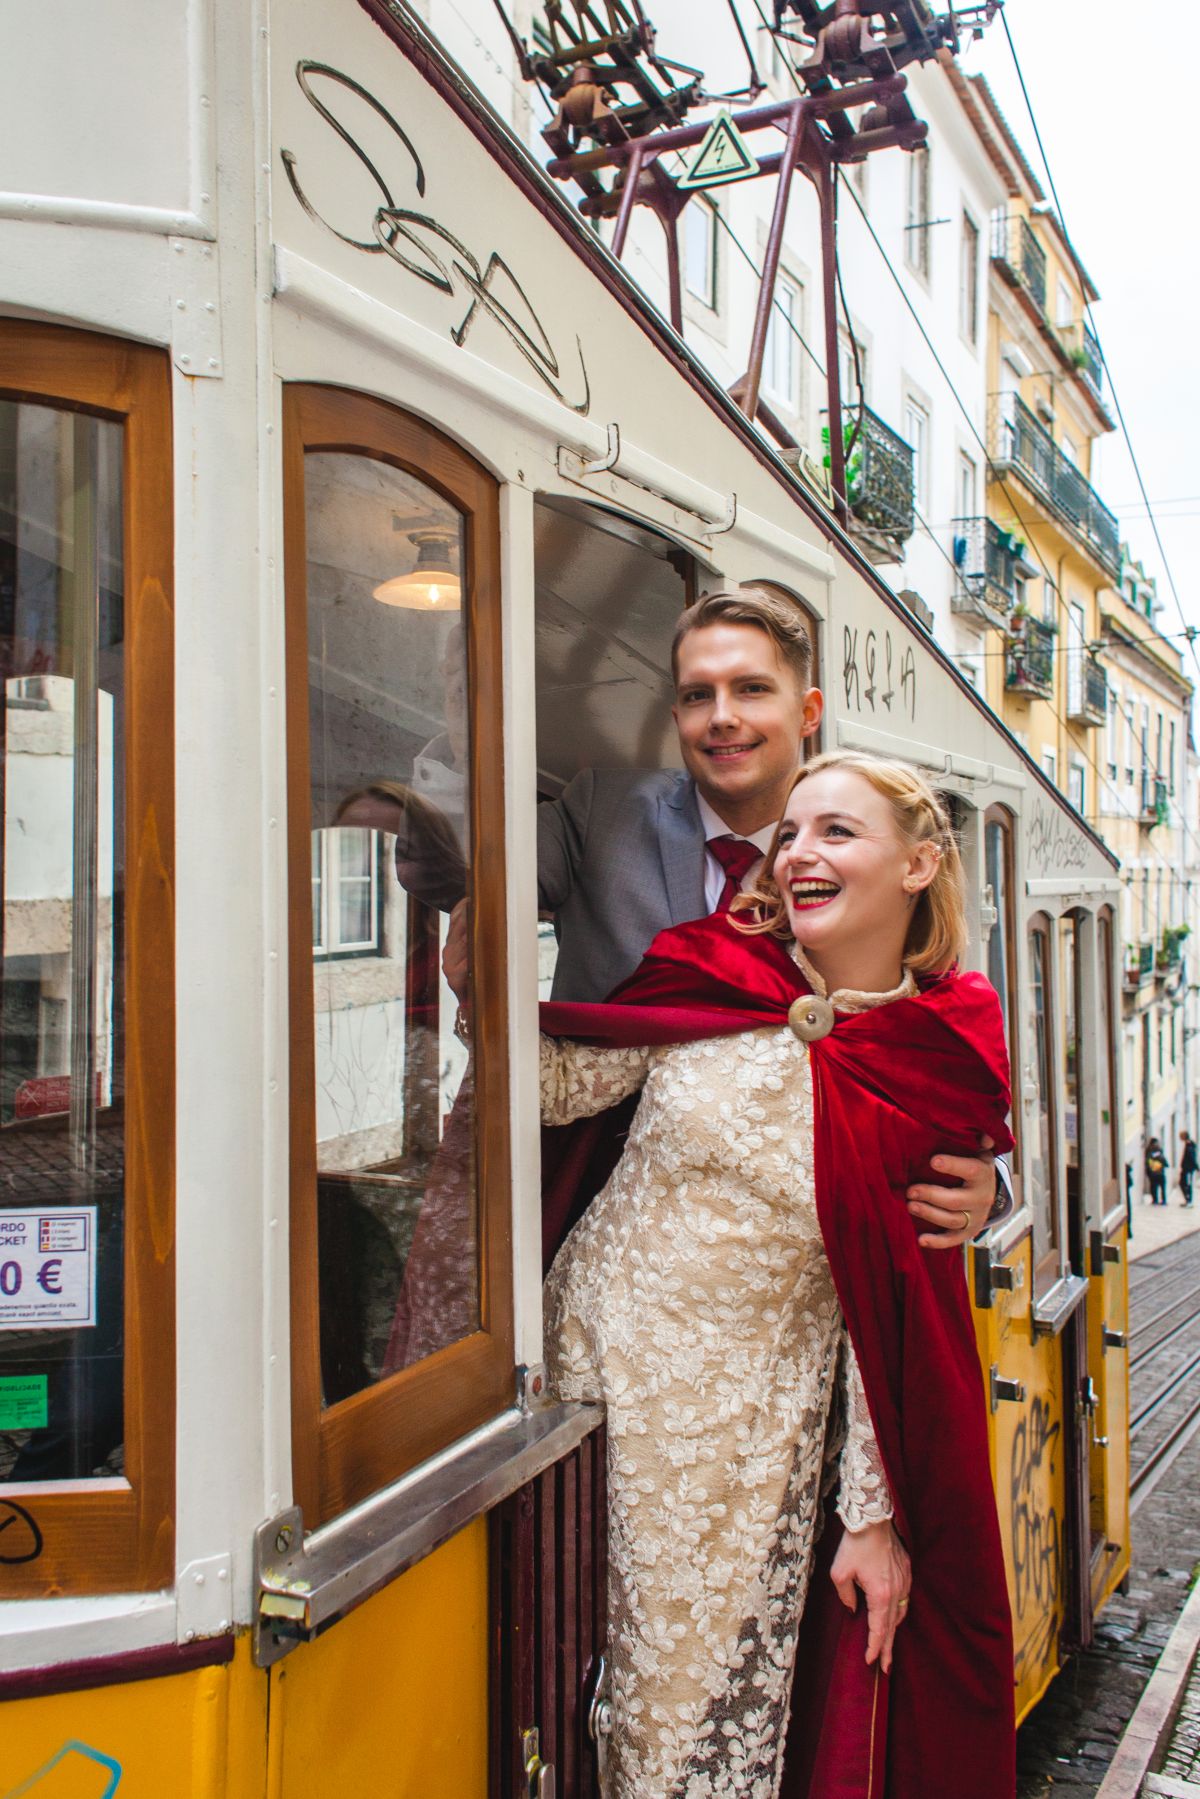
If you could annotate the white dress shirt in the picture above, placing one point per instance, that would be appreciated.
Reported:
(714, 874)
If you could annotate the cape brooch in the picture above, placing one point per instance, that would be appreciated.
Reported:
(811, 1017)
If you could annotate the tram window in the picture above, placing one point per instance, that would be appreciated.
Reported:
(395, 817)
(1041, 1149)
(1001, 943)
(86, 1014)
(1106, 1067)
(1069, 950)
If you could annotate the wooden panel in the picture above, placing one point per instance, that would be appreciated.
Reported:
(119, 1535)
(352, 1449)
(549, 1616)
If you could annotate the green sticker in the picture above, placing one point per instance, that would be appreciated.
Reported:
(22, 1402)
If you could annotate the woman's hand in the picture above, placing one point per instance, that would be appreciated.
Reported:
(876, 1560)
(456, 954)
(944, 1207)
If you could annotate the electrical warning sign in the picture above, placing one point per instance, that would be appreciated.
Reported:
(724, 155)
(47, 1268)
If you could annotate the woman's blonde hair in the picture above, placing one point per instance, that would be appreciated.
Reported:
(937, 931)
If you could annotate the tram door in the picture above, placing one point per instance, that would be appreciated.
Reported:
(1077, 1419)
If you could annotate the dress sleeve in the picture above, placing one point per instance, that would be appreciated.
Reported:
(863, 1493)
(579, 1079)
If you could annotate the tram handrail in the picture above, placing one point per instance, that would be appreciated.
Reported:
(304, 1584)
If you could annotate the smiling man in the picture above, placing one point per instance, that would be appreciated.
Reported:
(622, 854)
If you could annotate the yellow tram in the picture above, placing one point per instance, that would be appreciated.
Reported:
(347, 486)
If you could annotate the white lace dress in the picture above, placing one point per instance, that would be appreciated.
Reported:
(695, 1299)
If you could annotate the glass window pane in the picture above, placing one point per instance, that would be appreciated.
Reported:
(1040, 1151)
(389, 747)
(61, 971)
(1106, 1050)
(1068, 937)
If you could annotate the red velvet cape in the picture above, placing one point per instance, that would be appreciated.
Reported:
(892, 1086)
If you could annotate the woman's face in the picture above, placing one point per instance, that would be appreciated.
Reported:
(847, 877)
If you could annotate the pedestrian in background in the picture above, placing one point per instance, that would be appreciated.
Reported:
(1156, 1172)
(1187, 1166)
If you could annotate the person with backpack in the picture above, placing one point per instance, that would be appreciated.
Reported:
(1156, 1172)
(1187, 1166)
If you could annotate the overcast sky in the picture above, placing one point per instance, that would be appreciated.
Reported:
(1109, 90)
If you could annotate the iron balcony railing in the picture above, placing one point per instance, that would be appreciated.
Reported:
(1029, 657)
(1140, 965)
(1087, 702)
(1083, 348)
(1156, 800)
(1020, 442)
(879, 475)
(986, 559)
(1016, 247)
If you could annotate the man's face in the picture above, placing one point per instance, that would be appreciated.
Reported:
(741, 714)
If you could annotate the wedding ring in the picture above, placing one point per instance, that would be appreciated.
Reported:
(966, 1220)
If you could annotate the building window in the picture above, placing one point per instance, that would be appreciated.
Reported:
(853, 371)
(1065, 305)
(402, 1274)
(1077, 777)
(968, 486)
(968, 288)
(916, 432)
(916, 220)
(700, 251)
(1111, 728)
(1076, 650)
(1171, 762)
(1050, 765)
(1049, 601)
(346, 891)
(781, 355)
(87, 1009)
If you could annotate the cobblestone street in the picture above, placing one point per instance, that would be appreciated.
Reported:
(1065, 1747)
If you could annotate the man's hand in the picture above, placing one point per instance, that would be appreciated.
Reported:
(456, 965)
(876, 1560)
(943, 1207)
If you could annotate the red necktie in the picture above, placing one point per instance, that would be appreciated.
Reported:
(736, 856)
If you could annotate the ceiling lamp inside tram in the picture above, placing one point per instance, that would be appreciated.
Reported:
(434, 585)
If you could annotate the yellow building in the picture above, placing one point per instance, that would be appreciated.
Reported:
(1143, 819)
(1049, 546)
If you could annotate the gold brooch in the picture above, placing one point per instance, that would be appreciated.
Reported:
(811, 1017)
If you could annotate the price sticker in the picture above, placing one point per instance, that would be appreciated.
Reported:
(47, 1268)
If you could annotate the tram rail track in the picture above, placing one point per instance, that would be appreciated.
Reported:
(1149, 1469)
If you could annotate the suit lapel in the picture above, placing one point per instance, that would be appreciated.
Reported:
(681, 845)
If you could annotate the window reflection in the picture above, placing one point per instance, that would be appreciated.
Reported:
(61, 969)
(391, 833)
(1041, 1150)
(1105, 1061)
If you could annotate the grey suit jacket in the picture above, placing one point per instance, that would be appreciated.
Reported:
(620, 857)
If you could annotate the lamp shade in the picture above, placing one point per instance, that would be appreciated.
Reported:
(433, 586)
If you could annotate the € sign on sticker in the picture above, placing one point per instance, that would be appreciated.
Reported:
(47, 1268)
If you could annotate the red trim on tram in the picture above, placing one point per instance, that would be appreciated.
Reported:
(117, 1670)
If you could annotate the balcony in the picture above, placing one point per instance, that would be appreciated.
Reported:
(879, 485)
(1170, 950)
(1084, 351)
(1155, 807)
(1019, 442)
(986, 558)
(1029, 658)
(1021, 257)
(1139, 967)
(1087, 691)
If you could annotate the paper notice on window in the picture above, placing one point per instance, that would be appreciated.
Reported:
(47, 1268)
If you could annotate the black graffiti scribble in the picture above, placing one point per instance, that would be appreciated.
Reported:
(1034, 1526)
(876, 646)
(850, 667)
(20, 1537)
(425, 248)
(1054, 844)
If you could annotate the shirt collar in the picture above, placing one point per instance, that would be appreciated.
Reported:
(716, 827)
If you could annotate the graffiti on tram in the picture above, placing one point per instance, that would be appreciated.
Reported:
(1055, 846)
(421, 244)
(1035, 1541)
(878, 674)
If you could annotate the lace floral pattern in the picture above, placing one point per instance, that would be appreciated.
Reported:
(695, 1299)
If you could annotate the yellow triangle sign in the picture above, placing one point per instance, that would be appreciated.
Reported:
(724, 155)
